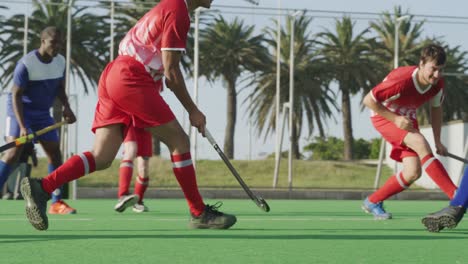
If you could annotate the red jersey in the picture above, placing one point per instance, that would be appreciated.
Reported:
(165, 27)
(400, 93)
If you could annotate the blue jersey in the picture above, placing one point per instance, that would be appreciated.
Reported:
(40, 82)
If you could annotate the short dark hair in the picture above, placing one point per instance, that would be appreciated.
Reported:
(433, 52)
(49, 32)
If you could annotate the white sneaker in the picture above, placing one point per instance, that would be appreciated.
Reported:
(125, 202)
(140, 208)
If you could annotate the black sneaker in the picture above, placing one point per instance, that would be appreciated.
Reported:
(448, 217)
(36, 202)
(125, 202)
(211, 218)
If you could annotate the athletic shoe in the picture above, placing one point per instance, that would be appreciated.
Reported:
(7, 196)
(126, 201)
(61, 207)
(449, 217)
(376, 209)
(36, 202)
(140, 208)
(211, 218)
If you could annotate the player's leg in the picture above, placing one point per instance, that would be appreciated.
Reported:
(36, 192)
(54, 156)
(433, 167)
(8, 161)
(10, 156)
(394, 185)
(141, 183)
(203, 216)
(137, 95)
(450, 216)
(145, 151)
(374, 203)
(125, 199)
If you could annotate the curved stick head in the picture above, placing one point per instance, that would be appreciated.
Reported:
(263, 204)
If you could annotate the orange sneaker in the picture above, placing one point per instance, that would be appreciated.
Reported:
(61, 207)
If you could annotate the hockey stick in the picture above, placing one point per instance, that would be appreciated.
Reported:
(22, 140)
(457, 157)
(259, 201)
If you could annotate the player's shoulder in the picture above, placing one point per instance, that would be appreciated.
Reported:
(404, 73)
(176, 6)
(29, 58)
(60, 59)
(172, 3)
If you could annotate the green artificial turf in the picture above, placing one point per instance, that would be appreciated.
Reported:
(295, 231)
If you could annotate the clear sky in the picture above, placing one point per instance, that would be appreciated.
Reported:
(212, 97)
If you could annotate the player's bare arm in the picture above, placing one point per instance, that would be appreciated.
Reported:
(68, 114)
(402, 122)
(175, 82)
(17, 93)
(436, 122)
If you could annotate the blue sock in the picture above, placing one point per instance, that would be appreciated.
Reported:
(5, 171)
(57, 193)
(461, 195)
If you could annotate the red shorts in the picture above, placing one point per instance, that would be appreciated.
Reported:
(128, 95)
(143, 139)
(395, 136)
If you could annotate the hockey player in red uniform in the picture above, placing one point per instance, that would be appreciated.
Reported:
(129, 96)
(393, 104)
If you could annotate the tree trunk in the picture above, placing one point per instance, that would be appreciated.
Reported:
(347, 124)
(231, 119)
(318, 120)
(295, 139)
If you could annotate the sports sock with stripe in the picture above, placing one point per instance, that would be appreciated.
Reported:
(141, 184)
(395, 184)
(436, 171)
(74, 168)
(125, 177)
(185, 175)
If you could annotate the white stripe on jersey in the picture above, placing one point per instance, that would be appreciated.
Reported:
(39, 71)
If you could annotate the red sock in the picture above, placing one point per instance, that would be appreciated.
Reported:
(185, 174)
(125, 177)
(74, 168)
(140, 187)
(393, 185)
(438, 174)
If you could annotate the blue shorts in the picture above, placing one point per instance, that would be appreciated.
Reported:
(32, 124)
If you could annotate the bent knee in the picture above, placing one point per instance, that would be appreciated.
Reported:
(102, 162)
(412, 177)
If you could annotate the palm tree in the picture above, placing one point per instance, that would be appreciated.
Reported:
(87, 60)
(409, 34)
(313, 98)
(227, 50)
(353, 64)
